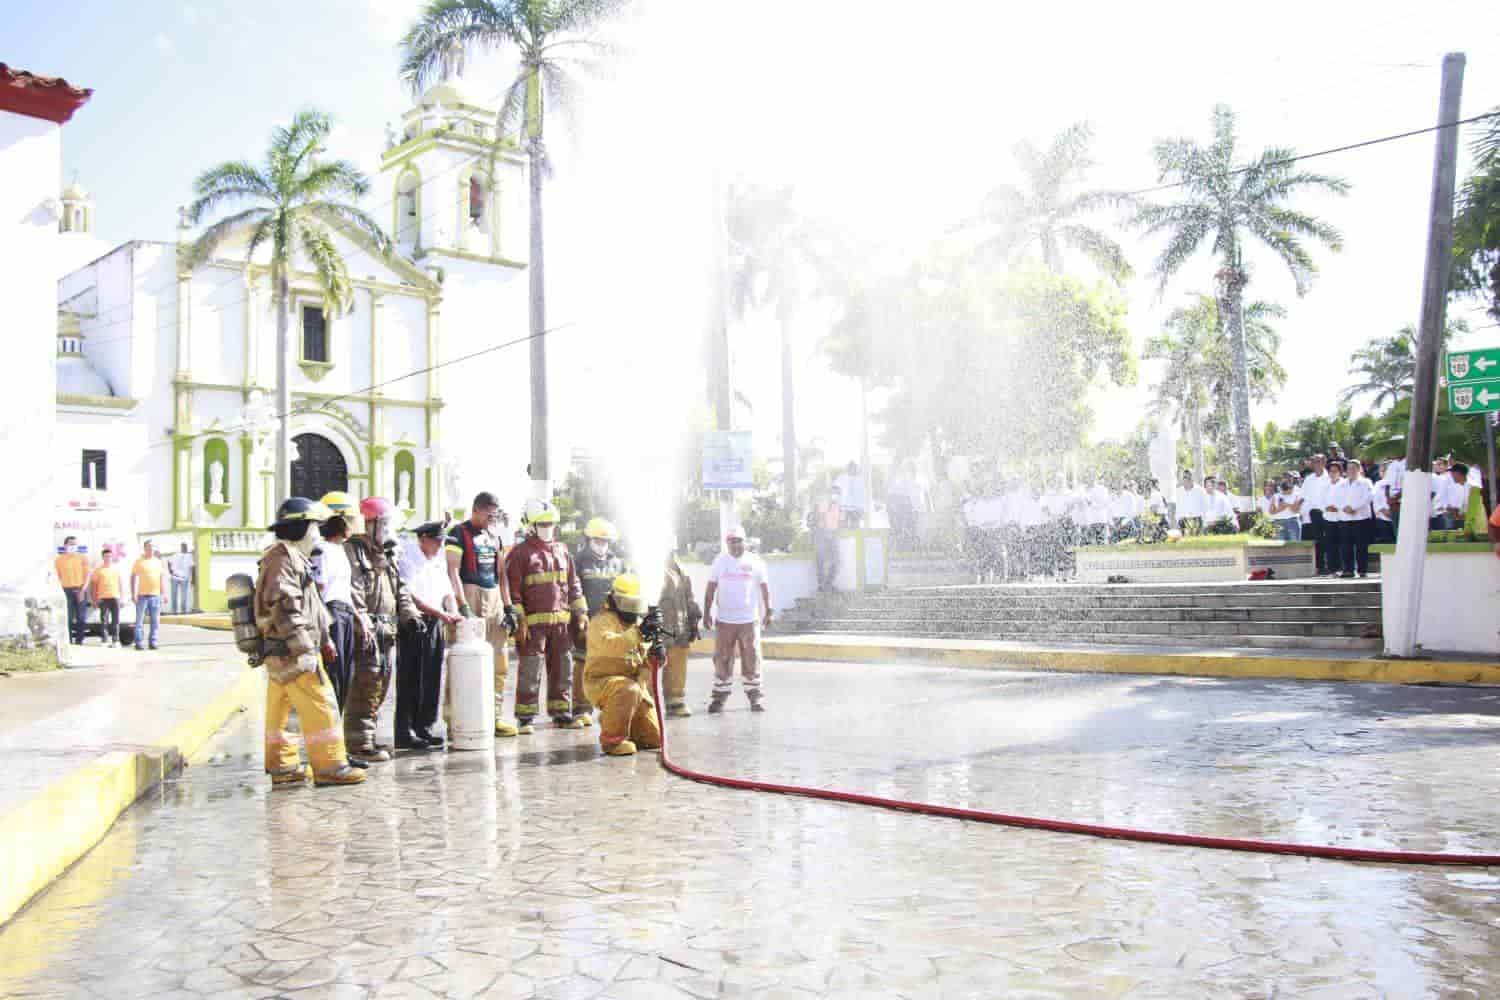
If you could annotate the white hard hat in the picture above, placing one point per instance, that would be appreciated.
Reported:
(735, 531)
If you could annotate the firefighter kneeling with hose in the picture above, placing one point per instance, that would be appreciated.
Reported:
(622, 639)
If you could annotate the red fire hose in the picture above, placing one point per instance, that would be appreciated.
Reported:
(1058, 825)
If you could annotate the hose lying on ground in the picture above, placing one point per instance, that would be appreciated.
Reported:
(1058, 825)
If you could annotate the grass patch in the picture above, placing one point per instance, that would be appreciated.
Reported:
(28, 661)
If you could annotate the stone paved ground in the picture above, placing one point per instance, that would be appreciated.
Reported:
(549, 871)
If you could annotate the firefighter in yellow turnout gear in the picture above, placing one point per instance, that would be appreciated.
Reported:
(616, 675)
(597, 569)
(293, 623)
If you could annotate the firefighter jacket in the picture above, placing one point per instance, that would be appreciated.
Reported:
(289, 610)
(597, 575)
(381, 601)
(543, 582)
(679, 612)
(615, 649)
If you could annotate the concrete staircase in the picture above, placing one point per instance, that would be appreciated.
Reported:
(1342, 614)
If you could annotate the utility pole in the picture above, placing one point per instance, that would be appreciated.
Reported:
(1489, 469)
(718, 332)
(1403, 594)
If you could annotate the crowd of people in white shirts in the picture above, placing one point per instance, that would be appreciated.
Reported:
(1015, 532)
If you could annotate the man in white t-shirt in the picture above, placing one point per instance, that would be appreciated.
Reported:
(738, 580)
(180, 566)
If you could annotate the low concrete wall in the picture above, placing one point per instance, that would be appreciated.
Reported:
(1460, 597)
(1168, 563)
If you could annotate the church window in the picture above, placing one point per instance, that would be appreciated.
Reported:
(314, 334)
(476, 201)
(406, 208)
(95, 469)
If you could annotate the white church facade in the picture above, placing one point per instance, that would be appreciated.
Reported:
(166, 373)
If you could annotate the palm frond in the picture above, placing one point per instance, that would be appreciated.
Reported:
(335, 213)
(323, 180)
(227, 182)
(1289, 248)
(445, 24)
(579, 15)
(291, 145)
(322, 253)
(202, 248)
(1099, 248)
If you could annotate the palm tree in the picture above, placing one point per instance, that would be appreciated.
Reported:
(1233, 206)
(544, 35)
(1185, 344)
(297, 207)
(1038, 215)
(1200, 367)
(769, 256)
(1387, 366)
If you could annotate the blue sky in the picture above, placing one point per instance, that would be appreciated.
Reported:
(180, 86)
(893, 133)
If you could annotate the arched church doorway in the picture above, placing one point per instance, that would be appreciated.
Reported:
(319, 467)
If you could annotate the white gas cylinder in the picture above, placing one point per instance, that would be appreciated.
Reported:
(471, 689)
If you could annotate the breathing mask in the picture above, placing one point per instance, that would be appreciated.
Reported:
(309, 541)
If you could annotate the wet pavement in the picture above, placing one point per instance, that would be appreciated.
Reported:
(107, 699)
(546, 870)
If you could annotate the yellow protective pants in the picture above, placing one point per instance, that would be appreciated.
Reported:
(485, 603)
(674, 676)
(626, 711)
(311, 697)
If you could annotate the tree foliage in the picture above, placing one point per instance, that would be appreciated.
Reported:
(1476, 225)
(1040, 217)
(980, 366)
(296, 202)
(1387, 366)
(1228, 205)
(550, 39)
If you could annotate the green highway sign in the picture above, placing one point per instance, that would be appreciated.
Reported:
(1480, 396)
(1472, 366)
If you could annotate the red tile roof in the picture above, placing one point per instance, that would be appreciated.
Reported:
(49, 97)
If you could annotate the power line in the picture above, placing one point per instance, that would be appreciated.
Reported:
(295, 411)
(1324, 152)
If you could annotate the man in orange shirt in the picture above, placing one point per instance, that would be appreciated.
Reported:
(72, 571)
(145, 591)
(104, 590)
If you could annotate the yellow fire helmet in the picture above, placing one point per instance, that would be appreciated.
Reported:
(627, 594)
(342, 505)
(598, 527)
(538, 512)
(338, 501)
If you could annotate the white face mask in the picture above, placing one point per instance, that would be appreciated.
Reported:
(600, 547)
(309, 540)
(546, 531)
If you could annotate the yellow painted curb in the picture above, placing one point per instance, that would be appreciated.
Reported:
(43, 836)
(1309, 668)
(219, 623)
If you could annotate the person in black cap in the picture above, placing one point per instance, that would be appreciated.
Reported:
(419, 671)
